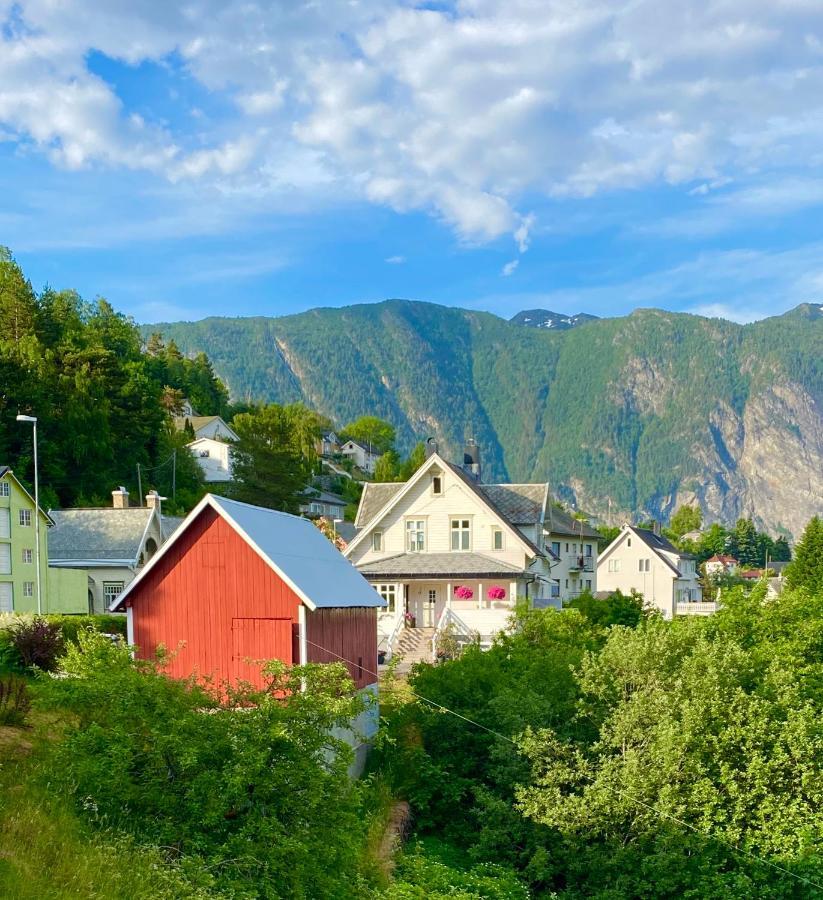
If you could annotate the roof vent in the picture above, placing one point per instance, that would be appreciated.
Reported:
(471, 459)
(431, 447)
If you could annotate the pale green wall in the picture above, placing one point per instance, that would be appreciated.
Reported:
(70, 598)
(68, 590)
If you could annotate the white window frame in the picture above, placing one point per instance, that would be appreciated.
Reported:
(5, 559)
(109, 595)
(495, 532)
(9, 606)
(644, 565)
(437, 485)
(614, 565)
(463, 533)
(432, 596)
(389, 593)
(588, 552)
(415, 535)
(554, 589)
(24, 518)
(556, 552)
(28, 588)
(28, 555)
(377, 541)
(5, 523)
(5, 489)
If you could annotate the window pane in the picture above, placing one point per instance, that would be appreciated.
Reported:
(5, 559)
(465, 536)
(455, 540)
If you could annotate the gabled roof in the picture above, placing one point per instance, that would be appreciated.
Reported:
(439, 565)
(314, 494)
(116, 535)
(521, 504)
(558, 521)
(655, 542)
(361, 445)
(378, 503)
(726, 560)
(291, 546)
(198, 422)
(7, 471)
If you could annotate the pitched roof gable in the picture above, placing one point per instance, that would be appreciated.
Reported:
(7, 470)
(558, 521)
(107, 533)
(292, 547)
(657, 544)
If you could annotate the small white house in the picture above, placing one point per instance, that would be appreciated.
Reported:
(640, 560)
(211, 446)
(362, 456)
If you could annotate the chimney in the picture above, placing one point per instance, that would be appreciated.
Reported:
(431, 447)
(471, 459)
(120, 498)
(154, 500)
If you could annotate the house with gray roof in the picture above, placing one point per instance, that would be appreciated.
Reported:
(643, 561)
(445, 548)
(111, 544)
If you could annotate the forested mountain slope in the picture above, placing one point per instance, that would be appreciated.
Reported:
(648, 410)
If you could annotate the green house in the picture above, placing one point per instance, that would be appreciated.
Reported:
(61, 591)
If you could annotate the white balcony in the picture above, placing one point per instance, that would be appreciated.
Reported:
(697, 608)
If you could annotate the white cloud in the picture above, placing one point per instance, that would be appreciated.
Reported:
(466, 113)
(395, 260)
(509, 268)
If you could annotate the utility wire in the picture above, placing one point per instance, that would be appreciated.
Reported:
(621, 793)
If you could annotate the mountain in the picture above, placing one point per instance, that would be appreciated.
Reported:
(545, 318)
(646, 411)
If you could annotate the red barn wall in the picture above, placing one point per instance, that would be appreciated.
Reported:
(203, 593)
(347, 633)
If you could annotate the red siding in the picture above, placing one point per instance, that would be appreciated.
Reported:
(347, 633)
(207, 581)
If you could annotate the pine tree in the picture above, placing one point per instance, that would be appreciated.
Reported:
(806, 570)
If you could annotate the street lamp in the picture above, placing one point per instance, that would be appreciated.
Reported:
(335, 523)
(33, 420)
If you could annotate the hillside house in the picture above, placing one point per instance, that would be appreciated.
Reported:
(239, 584)
(211, 446)
(640, 560)
(443, 548)
(60, 592)
(327, 444)
(361, 455)
(323, 503)
(721, 565)
(109, 544)
(573, 544)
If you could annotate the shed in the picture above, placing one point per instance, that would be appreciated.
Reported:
(238, 584)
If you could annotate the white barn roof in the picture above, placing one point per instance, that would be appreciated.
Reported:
(294, 548)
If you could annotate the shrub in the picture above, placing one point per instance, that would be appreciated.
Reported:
(15, 701)
(39, 643)
(71, 625)
(9, 657)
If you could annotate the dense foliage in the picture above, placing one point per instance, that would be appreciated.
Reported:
(634, 409)
(806, 571)
(250, 795)
(673, 759)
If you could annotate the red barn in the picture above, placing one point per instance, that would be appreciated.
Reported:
(237, 583)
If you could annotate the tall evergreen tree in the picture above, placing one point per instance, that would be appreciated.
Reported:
(806, 570)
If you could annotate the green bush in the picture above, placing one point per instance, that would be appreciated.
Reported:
(15, 701)
(254, 788)
(71, 625)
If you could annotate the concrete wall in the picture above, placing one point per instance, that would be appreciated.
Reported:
(68, 591)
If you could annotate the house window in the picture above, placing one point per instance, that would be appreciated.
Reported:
(5, 559)
(567, 546)
(27, 556)
(588, 549)
(614, 565)
(497, 539)
(415, 535)
(432, 596)
(567, 584)
(28, 588)
(643, 565)
(389, 593)
(461, 534)
(556, 548)
(6, 597)
(437, 485)
(25, 517)
(377, 540)
(111, 591)
(588, 584)
(204, 454)
(554, 590)
(316, 507)
(629, 542)
(5, 530)
(5, 489)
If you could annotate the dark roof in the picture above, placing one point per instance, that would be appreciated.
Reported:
(558, 521)
(439, 565)
(521, 504)
(106, 533)
(324, 496)
(658, 542)
(375, 496)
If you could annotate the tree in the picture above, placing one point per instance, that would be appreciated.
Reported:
(745, 544)
(687, 518)
(416, 459)
(806, 570)
(270, 468)
(387, 467)
(375, 433)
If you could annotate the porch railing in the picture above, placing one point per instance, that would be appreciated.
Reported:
(398, 627)
(449, 617)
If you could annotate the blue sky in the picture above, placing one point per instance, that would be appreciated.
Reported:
(260, 158)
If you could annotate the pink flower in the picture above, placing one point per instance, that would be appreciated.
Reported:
(497, 593)
(463, 592)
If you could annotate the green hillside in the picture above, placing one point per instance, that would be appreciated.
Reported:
(644, 411)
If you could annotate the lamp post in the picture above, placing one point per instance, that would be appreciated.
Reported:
(33, 420)
(335, 523)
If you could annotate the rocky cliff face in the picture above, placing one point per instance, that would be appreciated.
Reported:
(646, 411)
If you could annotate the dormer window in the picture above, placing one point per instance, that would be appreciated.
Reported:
(377, 541)
(437, 484)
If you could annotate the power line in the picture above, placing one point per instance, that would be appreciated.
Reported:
(618, 791)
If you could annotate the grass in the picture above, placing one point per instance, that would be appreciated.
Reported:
(47, 851)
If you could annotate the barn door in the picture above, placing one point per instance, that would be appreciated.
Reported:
(256, 641)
